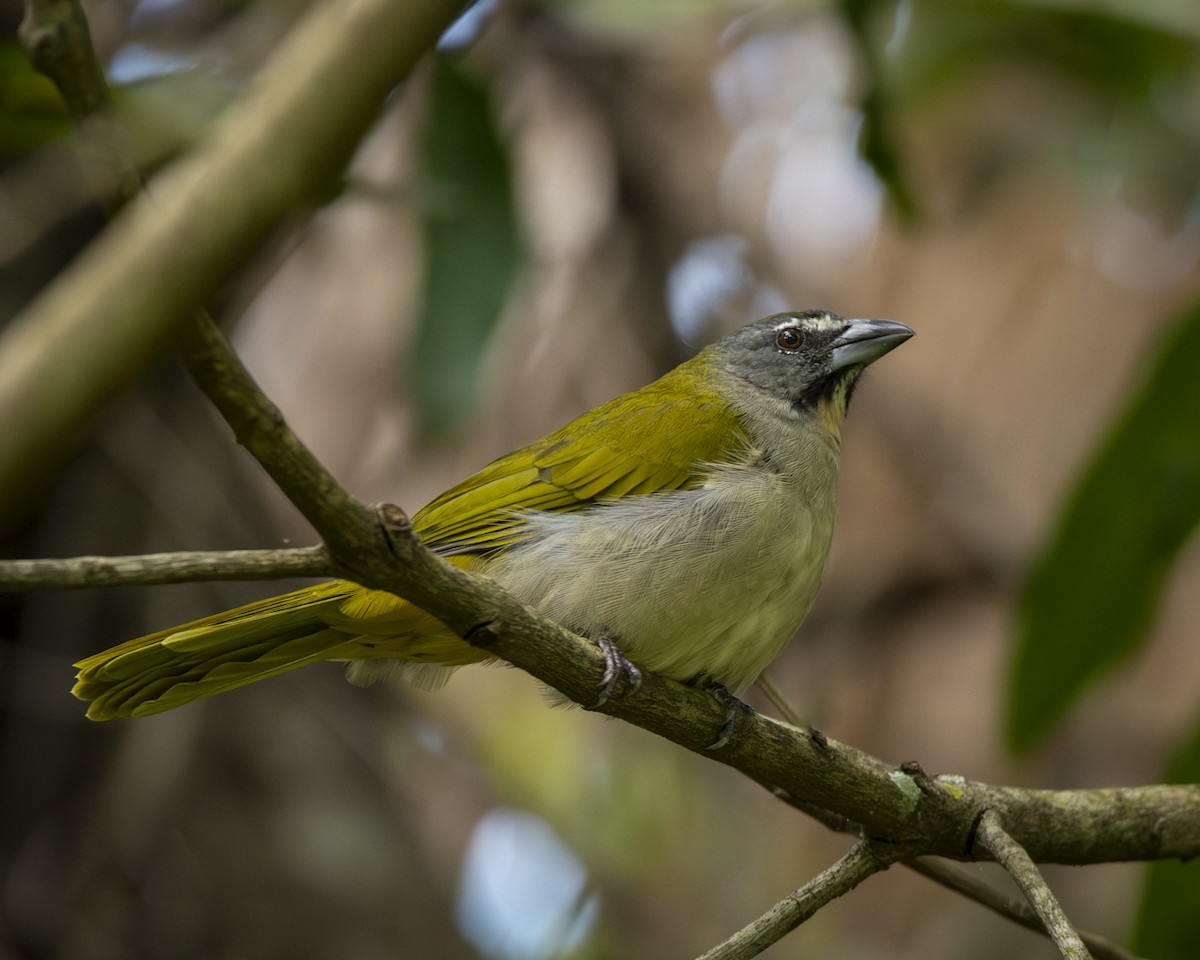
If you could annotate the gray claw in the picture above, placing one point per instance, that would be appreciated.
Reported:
(615, 664)
(733, 709)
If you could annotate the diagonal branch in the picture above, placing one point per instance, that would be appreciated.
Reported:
(863, 860)
(343, 521)
(935, 814)
(1012, 856)
(56, 36)
(118, 305)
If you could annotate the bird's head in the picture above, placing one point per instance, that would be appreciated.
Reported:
(808, 360)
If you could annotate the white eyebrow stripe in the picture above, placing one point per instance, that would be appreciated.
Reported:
(822, 322)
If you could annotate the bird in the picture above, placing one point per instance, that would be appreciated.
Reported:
(683, 527)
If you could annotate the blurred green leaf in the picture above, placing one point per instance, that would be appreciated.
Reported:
(1109, 54)
(1168, 926)
(1126, 63)
(1092, 595)
(878, 142)
(31, 111)
(472, 246)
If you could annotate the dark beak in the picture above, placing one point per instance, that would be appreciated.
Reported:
(865, 341)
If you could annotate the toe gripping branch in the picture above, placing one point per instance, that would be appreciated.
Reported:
(734, 708)
(616, 666)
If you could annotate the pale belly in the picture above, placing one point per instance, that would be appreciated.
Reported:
(708, 583)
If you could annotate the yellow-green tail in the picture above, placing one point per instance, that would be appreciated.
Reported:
(331, 621)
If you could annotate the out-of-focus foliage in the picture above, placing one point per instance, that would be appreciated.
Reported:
(1133, 74)
(31, 112)
(472, 247)
(939, 44)
(1093, 594)
(878, 144)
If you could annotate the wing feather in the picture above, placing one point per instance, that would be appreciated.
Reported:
(662, 437)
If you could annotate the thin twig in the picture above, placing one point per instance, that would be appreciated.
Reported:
(961, 883)
(993, 838)
(863, 860)
(57, 39)
(156, 568)
(1017, 911)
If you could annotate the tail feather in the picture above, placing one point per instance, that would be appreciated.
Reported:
(198, 659)
(164, 681)
(266, 659)
(338, 620)
(272, 614)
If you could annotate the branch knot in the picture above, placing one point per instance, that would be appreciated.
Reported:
(394, 523)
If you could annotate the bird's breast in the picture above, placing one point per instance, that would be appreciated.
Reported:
(709, 582)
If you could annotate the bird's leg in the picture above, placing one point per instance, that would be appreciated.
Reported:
(615, 664)
(733, 709)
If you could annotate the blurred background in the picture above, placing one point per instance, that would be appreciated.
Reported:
(568, 199)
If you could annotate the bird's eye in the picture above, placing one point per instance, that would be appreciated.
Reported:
(789, 339)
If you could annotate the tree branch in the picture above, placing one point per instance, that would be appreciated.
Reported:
(1012, 856)
(119, 303)
(931, 815)
(56, 36)
(936, 815)
(852, 869)
(961, 883)
(155, 568)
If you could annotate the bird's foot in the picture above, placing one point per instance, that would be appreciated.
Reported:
(734, 708)
(616, 665)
